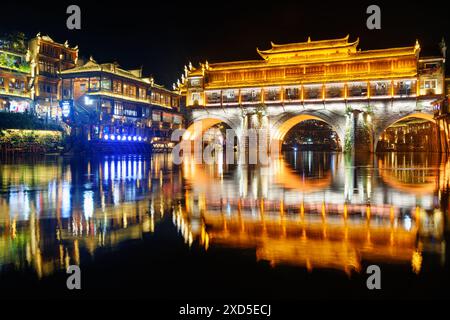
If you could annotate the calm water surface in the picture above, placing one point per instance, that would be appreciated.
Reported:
(307, 226)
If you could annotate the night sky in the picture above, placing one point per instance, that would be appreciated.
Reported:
(163, 36)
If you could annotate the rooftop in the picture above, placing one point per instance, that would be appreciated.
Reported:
(333, 50)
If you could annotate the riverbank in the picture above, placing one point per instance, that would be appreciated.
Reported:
(31, 141)
(24, 133)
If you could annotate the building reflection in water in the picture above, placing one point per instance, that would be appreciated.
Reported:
(52, 209)
(322, 210)
(313, 210)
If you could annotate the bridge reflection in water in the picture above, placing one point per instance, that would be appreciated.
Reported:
(313, 210)
(321, 210)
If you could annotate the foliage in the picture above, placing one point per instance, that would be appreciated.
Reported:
(260, 111)
(16, 42)
(348, 109)
(23, 121)
(348, 139)
(14, 62)
(27, 139)
(369, 109)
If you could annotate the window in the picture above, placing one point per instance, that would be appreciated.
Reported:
(251, 95)
(156, 116)
(175, 102)
(312, 92)
(380, 88)
(167, 117)
(272, 94)
(334, 91)
(357, 90)
(118, 108)
(230, 96)
(176, 119)
(195, 98)
(142, 93)
(431, 65)
(129, 90)
(47, 67)
(2, 82)
(94, 84)
(106, 84)
(213, 97)
(117, 86)
(196, 82)
(292, 94)
(404, 88)
(430, 84)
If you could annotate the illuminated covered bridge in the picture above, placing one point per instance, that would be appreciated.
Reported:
(359, 94)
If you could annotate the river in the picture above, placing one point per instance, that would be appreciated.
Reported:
(306, 226)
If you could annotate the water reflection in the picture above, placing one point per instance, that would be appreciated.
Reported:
(52, 208)
(322, 210)
(312, 210)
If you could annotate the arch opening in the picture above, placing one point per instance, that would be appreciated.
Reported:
(210, 130)
(413, 133)
(308, 133)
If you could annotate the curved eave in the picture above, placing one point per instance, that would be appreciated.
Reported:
(392, 51)
(358, 56)
(265, 54)
(74, 73)
(327, 42)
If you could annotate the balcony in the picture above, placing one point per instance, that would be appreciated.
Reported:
(360, 90)
(15, 92)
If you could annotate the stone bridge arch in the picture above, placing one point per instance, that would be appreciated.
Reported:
(282, 124)
(202, 121)
(385, 123)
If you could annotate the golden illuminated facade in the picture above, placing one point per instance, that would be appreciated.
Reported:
(315, 71)
(329, 80)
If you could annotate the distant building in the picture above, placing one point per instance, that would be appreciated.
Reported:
(15, 76)
(47, 59)
(118, 104)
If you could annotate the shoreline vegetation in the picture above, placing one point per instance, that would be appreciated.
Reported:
(23, 133)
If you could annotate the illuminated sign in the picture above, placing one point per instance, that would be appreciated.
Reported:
(66, 106)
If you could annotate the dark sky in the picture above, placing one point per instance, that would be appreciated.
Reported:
(164, 35)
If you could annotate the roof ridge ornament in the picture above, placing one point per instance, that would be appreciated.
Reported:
(417, 48)
(443, 47)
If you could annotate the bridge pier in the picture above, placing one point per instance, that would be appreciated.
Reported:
(361, 133)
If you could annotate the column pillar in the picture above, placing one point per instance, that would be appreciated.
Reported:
(359, 137)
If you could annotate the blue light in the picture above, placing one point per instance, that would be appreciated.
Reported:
(118, 138)
(129, 138)
(134, 138)
(106, 137)
(113, 137)
(124, 138)
(139, 138)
